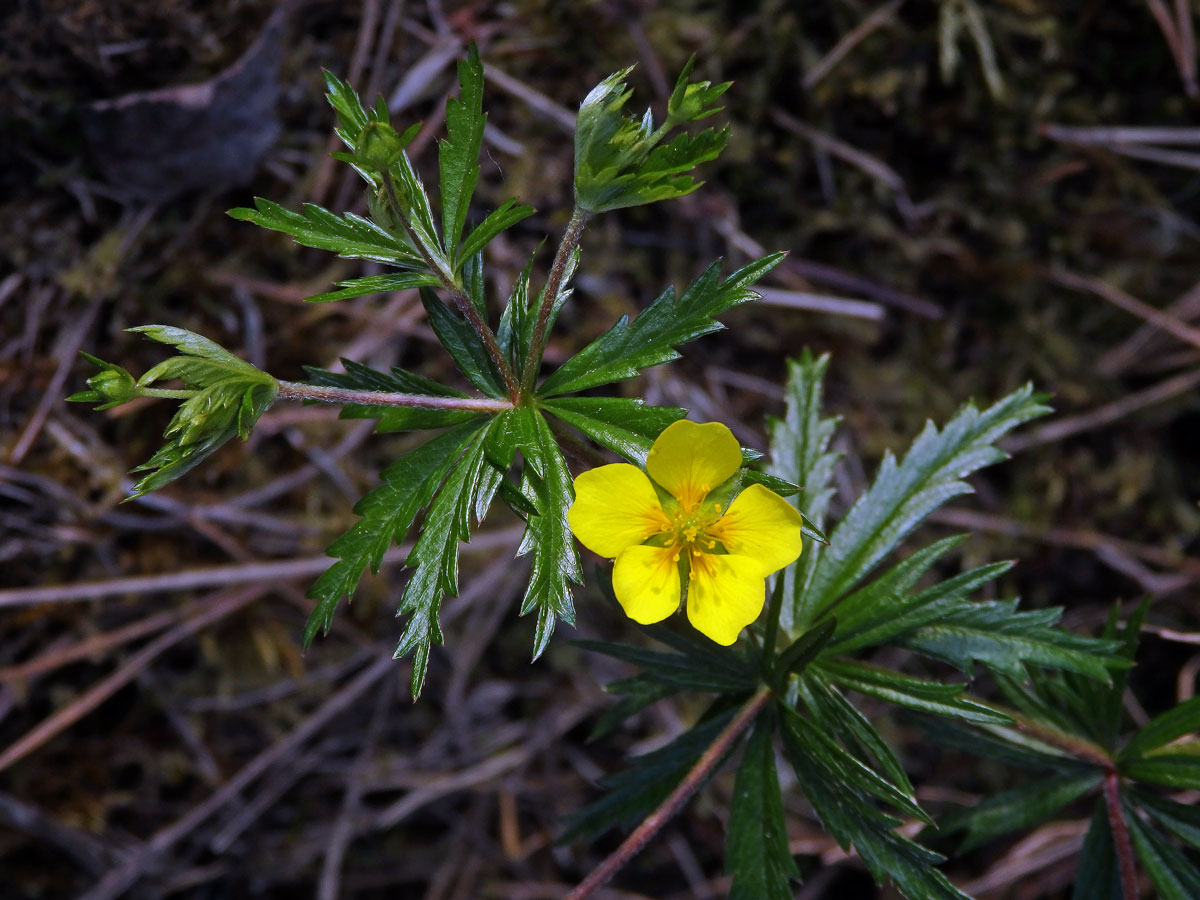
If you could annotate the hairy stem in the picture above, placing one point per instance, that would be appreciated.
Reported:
(458, 297)
(1120, 831)
(537, 345)
(291, 390)
(654, 822)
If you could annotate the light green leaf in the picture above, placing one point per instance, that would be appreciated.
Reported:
(1162, 729)
(756, 847)
(464, 345)
(650, 340)
(458, 154)
(507, 215)
(904, 493)
(351, 237)
(377, 284)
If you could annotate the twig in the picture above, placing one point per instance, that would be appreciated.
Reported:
(120, 879)
(292, 390)
(851, 40)
(535, 100)
(822, 303)
(56, 723)
(217, 576)
(696, 776)
(1106, 135)
(1120, 831)
(96, 644)
(537, 344)
(1104, 415)
(1129, 303)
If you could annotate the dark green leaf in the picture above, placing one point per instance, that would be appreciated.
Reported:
(854, 820)
(434, 557)
(387, 513)
(458, 155)
(931, 697)
(650, 340)
(352, 237)
(636, 694)
(1173, 770)
(1174, 876)
(756, 848)
(1174, 723)
(628, 427)
(512, 331)
(1023, 807)
(1007, 640)
(1181, 820)
(508, 214)
(1097, 876)
(804, 649)
(916, 610)
(464, 345)
(783, 488)
(548, 537)
(729, 675)
(904, 493)
(1006, 745)
(838, 717)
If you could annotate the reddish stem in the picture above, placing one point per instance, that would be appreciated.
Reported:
(1120, 830)
(654, 822)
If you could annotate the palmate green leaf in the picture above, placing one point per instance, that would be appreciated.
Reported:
(377, 284)
(387, 513)
(1006, 640)
(1175, 877)
(620, 160)
(904, 493)
(851, 816)
(392, 418)
(633, 792)
(650, 340)
(351, 237)
(231, 395)
(548, 538)
(756, 847)
(458, 154)
(1162, 729)
(932, 697)
(1025, 806)
(464, 345)
(626, 426)
(1097, 876)
(434, 557)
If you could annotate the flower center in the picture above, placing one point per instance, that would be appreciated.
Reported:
(690, 527)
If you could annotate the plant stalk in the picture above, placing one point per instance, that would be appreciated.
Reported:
(537, 344)
(291, 390)
(654, 822)
(1120, 830)
(460, 300)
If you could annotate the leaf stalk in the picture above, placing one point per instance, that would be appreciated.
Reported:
(291, 390)
(537, 345)
(459, 298)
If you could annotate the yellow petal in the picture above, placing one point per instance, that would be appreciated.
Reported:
(761, 525)
(615, 507)
(725, 594)
(646, 582)
(689, 460)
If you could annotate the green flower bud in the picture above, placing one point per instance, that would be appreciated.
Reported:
(379, 146)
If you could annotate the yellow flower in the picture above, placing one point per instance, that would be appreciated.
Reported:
(723, 554)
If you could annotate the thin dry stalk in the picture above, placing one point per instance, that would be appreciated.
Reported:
(852, 39)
